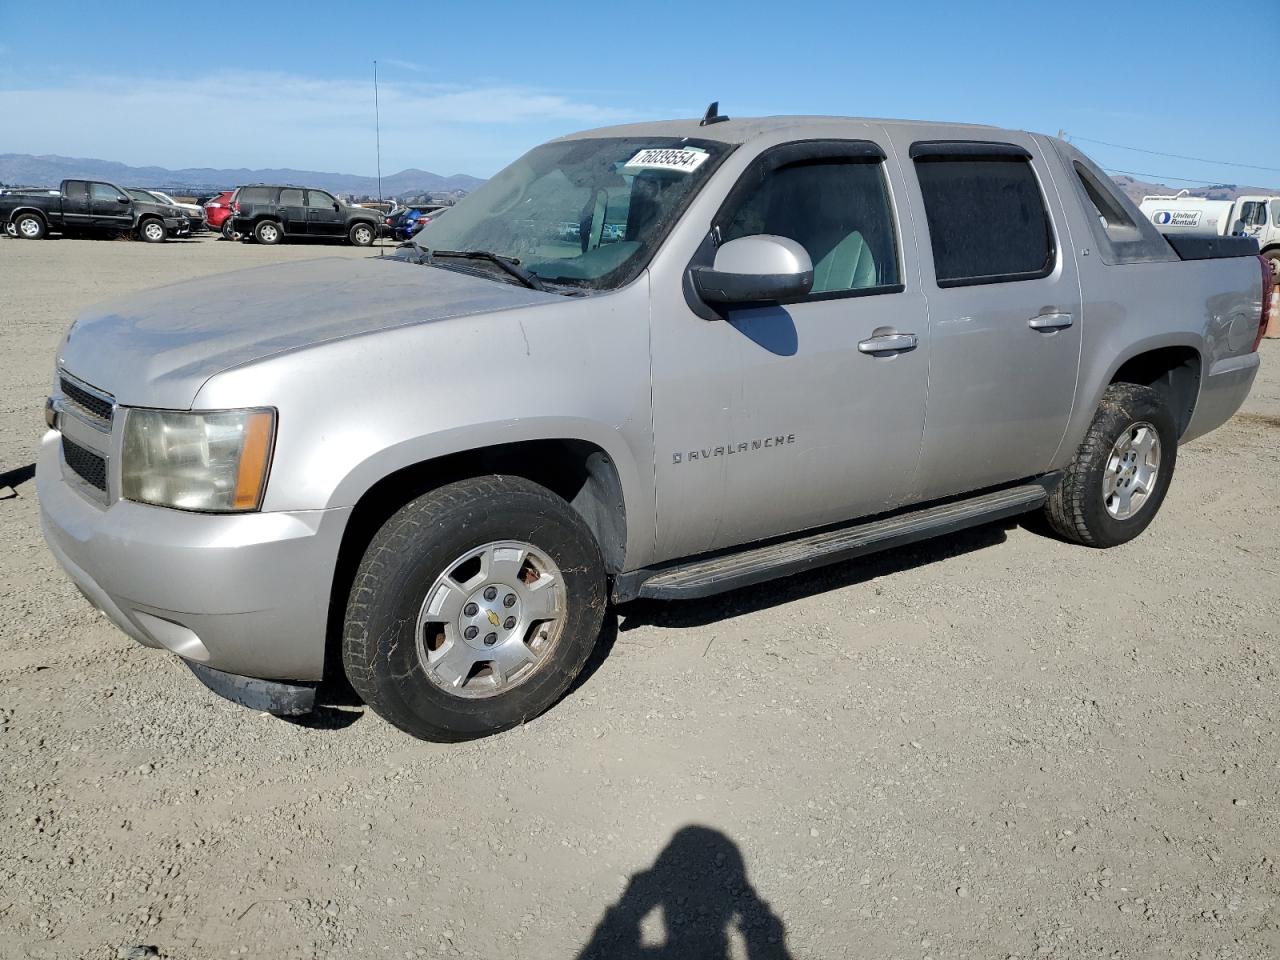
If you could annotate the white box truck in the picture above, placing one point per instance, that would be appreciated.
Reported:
(1257, 217)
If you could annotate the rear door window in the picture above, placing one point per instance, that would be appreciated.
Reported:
(255, 195)
(987, 219)
(291, 198)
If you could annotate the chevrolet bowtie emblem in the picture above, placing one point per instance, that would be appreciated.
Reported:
(493, 618)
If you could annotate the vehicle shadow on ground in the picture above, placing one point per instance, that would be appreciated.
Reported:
(697, 613)
(698, 896)
(11, 478)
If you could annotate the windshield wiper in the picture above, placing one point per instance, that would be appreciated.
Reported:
(509, 265)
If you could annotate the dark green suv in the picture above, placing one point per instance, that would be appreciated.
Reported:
(270, 214)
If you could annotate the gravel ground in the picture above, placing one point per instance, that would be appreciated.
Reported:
(992, 745)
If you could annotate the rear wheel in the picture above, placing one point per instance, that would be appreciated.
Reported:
(228, 232)
(28, 226)
(1121, 473)
(361, 235)
(474, 608)
(268, 231)
(152, 231)
(1273, 260)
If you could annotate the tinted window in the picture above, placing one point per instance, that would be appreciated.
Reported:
(838, 210)
(74, 188)
(256, 195)
(987, 221)
(104, 191)
(318, 198)
(291, 198)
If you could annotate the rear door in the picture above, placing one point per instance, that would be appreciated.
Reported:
(109, 207)
(293, 210)
(1004, 306)
(325, 217)
(75, 203)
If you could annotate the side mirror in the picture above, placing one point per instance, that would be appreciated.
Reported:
(337, 207)
(757, 269)
(122, 199)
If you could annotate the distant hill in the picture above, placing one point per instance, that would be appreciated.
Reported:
(27, 170)
(1137, 189)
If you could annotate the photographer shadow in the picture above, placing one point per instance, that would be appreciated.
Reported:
(699, 897)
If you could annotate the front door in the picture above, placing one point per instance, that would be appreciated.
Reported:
(293, 211)
(1005, 313)
(325, 217)
(109, 208)
(775, 419)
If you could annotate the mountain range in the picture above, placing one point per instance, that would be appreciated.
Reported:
(23, 169)
(1137, 189)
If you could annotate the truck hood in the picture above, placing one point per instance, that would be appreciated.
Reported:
(158, 348)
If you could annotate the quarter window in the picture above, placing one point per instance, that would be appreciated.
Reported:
(837, 209)
(987, 219)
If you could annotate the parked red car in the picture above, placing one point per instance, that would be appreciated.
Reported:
(217, 210)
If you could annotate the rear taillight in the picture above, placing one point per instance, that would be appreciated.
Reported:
(1268, 301)
(235, 206)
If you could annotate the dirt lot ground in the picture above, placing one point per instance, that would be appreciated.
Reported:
(993, 745)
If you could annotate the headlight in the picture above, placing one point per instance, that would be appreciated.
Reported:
(212, 462)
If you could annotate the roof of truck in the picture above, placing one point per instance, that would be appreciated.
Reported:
(743, 129)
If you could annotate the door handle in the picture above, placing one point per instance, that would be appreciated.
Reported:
(1050, 321)
(888, 342)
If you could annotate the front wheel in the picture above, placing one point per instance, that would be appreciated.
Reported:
(267, 231)
(473, 609)
(361, 235)
(1113, 487)
(152, 231)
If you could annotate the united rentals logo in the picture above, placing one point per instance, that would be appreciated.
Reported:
(729, 450)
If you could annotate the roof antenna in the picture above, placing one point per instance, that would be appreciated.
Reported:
(712, 115)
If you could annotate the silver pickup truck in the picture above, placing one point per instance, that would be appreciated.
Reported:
(769, 344)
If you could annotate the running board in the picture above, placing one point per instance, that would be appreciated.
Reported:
(708, 575)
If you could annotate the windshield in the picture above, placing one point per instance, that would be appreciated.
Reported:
(164, 198)
(586, 213)
(142, 195)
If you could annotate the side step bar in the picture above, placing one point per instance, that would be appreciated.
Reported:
(755, 563)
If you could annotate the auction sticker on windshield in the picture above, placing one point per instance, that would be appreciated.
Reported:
(685, 159)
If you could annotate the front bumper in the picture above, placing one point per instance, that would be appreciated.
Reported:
(244, 594)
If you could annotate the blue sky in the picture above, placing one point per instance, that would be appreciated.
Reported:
(464, 88)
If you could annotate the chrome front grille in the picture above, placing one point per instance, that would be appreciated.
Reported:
(87, 402)
(85, 464)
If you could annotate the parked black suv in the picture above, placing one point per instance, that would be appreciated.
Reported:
(269, 214)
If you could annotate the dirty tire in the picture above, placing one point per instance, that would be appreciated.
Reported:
(28, 226)
(416, 545)
(228, 233)
(268, 232)
(1076, 509)
(361, 234)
